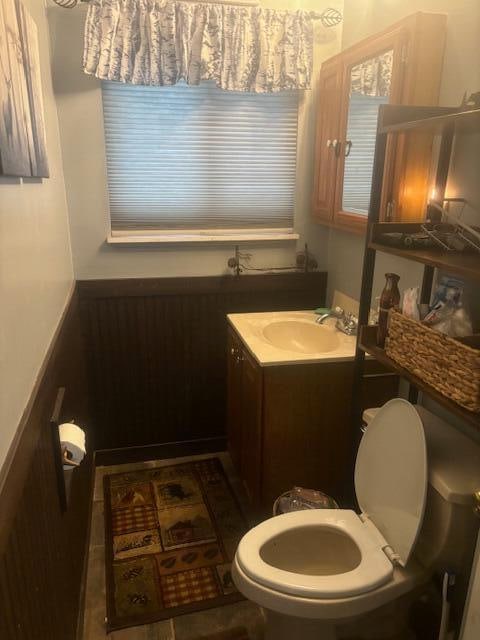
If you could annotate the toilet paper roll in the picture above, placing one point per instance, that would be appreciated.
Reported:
(73, 438)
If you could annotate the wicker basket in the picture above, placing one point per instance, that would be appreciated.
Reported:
(446, 364)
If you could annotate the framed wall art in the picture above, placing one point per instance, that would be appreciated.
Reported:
(22, 127)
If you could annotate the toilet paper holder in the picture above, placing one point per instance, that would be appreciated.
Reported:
(66, 460)
(62, 457)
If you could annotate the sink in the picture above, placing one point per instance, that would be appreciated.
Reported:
(291, 337)
(302, 337)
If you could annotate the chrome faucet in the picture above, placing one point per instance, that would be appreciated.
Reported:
(338, 313)
(346, 322)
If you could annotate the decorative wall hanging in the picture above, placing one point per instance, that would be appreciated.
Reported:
(22, 128)
(241, 48)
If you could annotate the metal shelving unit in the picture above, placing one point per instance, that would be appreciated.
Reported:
(445, 122)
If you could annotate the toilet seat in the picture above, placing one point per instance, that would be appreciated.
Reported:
(334, 553)
(374, 567)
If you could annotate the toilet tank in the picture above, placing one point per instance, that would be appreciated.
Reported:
(447, 538)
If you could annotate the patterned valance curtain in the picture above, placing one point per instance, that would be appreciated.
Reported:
(160, 42)
(373, 77)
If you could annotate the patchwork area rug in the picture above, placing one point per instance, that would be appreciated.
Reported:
(170, 536)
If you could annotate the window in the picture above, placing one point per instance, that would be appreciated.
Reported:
(186, 159)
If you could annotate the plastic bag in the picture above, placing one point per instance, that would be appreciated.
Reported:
(300, 499)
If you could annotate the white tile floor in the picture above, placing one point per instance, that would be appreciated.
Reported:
(189, 627)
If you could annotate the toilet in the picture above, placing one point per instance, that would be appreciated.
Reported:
(415, 479)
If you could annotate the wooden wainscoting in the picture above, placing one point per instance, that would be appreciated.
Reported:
(42, 551)
(157, 350)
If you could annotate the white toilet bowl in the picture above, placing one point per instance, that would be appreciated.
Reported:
(307, 588)
(312, 570)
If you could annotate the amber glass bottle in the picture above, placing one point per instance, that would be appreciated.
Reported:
(390, 298)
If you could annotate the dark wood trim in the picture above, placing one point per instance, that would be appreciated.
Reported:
(163, 451)
(435, 119)
(401, 116)
(14, 470)
(466, 265)
(42, 547)
(144, 287)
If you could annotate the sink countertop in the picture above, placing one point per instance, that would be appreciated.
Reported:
(250, 326)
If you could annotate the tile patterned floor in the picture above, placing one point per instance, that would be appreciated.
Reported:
(194, 626)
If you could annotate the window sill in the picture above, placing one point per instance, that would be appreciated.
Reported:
(136, 238)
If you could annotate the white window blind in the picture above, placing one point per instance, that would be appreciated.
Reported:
(361, 132)
(196, 157)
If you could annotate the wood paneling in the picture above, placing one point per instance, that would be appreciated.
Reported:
(42, 551)
(157, 350)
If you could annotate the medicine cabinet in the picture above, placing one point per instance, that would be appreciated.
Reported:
(401, 65)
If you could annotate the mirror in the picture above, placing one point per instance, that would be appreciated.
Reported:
(369, 88)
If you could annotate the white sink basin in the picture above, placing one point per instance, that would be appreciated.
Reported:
(301, 337)
(291, 337)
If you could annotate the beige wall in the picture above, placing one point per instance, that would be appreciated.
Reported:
(462, 56)
(461, 73)
(35, 262)
(80, 116)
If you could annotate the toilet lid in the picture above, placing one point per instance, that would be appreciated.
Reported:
(391, 475)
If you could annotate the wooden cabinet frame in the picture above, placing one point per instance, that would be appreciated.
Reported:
(417, 43)
(290, 425)
(328, 131)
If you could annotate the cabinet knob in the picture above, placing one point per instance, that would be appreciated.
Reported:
(476, 508)
(236, 355)
(332, 143)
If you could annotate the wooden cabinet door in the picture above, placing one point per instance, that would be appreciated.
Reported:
(417, 45)
(234, 403)
(307, 428)
(251, 412)
(396, 42)
(327, 140)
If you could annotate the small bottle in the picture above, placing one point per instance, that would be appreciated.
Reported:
(390, 298)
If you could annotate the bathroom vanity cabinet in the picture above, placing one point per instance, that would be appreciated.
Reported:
(290, 424)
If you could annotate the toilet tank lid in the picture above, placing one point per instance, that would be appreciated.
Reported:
(453, 459)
